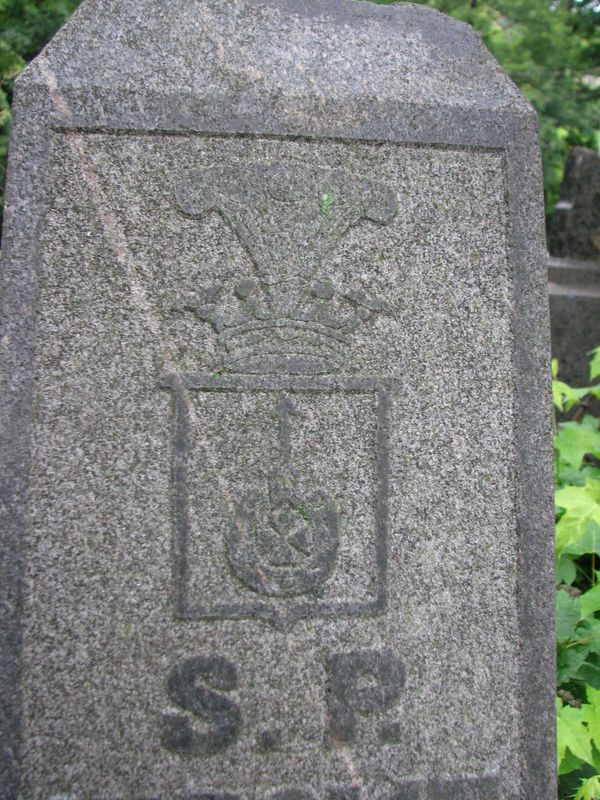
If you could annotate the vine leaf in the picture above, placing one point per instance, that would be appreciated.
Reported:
(591, 714)
(572, 733)
(575, 440)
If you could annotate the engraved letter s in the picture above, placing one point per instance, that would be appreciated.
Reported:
(186, 690)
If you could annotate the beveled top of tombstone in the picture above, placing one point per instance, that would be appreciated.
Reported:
(276, 455)
(326, 67)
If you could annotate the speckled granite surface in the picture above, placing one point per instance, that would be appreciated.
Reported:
(277, 448)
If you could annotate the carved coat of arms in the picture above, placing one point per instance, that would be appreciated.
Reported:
(291, 520)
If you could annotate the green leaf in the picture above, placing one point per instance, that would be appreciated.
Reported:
(590, 601)
(582, 507)
(596, 758)
(569, 530)
(558, 393)
(589, 674)
(554, 364)
(595, 364)
(565, 396)
(587, 543)
(575, 440)
(568, 612)
(569, 763)
(568, 663)
(588, 631)
(590, 789)
(566, 572)
(591, 714)
(581, 500)
(572, 733)
(577, 476)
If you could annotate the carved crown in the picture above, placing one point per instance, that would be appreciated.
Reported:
(287, 217)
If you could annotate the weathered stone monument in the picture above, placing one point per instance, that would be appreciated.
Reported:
(276, 461)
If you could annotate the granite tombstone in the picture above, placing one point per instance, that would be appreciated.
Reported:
(276, 456)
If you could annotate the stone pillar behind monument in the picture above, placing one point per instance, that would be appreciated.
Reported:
(574, 267)
(576, 221)
(277, 456)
